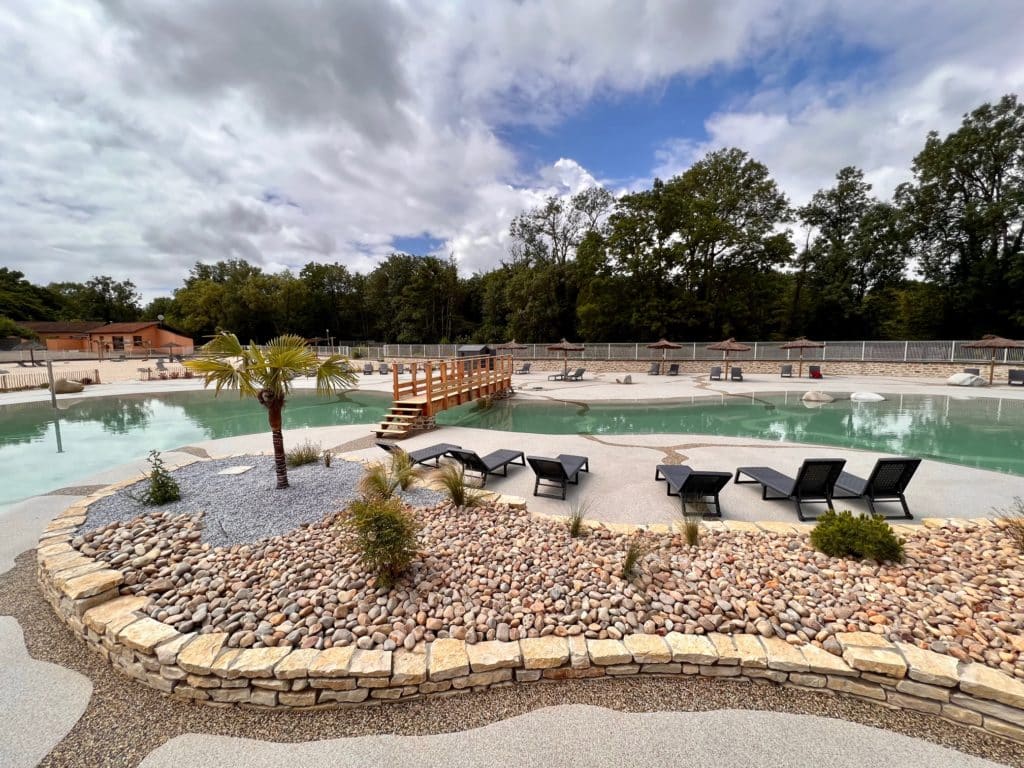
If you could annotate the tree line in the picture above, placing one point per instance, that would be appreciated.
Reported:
(716, 251)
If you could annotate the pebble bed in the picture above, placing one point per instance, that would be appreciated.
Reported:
(244, 508)
(498, 573)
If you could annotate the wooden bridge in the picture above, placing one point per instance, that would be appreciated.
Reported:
(436, 386)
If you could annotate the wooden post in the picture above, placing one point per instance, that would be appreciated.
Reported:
(394, 382)
(429, 391)
(444, 385)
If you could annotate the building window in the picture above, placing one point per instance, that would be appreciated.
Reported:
(136, 341)
(118, 342)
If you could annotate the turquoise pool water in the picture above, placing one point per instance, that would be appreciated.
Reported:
(103, 432)
(980, 432)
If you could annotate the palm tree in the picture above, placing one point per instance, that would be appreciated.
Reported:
(267, 375)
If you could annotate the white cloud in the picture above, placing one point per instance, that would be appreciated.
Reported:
(140, 136)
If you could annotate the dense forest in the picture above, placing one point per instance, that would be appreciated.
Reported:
(716, 251)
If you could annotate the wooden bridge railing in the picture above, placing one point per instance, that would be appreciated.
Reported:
(443, 384)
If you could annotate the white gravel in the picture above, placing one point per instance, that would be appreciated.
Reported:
(240, 509)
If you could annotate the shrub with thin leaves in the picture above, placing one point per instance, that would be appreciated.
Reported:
(162, 488)
(1012, 519)
(384, 536)
(634, 554)
(304, 453)
(453, 482)
(691, 521)
(843, 535)
(383, 479)
(576, 516)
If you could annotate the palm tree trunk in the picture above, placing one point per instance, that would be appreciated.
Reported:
(280, 465)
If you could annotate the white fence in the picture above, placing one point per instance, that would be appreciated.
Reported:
(869, 351)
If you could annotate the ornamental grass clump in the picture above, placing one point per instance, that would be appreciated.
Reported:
(1012, 519)
(453, 483)
(384, 534)
(304, 453)
(843, 535)
(382, 480)
(577, 514)
(162, 488)
(634, 554)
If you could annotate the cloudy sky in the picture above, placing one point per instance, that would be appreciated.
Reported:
(140, 136)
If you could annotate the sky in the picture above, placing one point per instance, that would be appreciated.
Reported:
(140, 136)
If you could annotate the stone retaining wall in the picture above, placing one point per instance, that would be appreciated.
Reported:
(199, 667)
(772, 368)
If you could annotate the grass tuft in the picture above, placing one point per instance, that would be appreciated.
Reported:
(453, 481)
(1013, 519)
(577, 514)
(305, 453)
(634, 554)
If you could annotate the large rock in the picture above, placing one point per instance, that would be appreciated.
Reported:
(817, 396)
(966, 380)
(67, 387)
(866, 397)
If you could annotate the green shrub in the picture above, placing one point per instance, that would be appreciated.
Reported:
(306, 453)
(162, 488)
(843, 535)
(384, 536)
(1012, 519)
(453, 481)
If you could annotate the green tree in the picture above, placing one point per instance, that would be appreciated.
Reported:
(965, 208)
(9, 327)
(857, 247)
(267, 374)
(99, 298)
(22, 300)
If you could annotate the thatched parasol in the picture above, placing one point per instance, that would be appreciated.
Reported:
(802, 343)
(512, 346)
(664, 345)
(565, 347)
(995, 343)
(727, 346)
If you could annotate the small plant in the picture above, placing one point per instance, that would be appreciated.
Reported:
(691, 521)
(383, 480)
(454, 483)
(485, 403)
(305, 453)
(843, 535)
(357, 353)
(1012, 519)
(162, 488)
(327, 459)
(384, 536)
(576, 516)
(634, 554)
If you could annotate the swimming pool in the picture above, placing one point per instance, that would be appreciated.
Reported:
(99, 433)
(978, 432)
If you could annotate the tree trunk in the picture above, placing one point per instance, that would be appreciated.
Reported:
(280, 465)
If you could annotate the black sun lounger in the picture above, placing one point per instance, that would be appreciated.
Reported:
(489, 464)
(887, 482)
(736, 374)
(655, 369)
(673, 370)
(716, 373)
(693, 485)
(559, 472)
(815, 482)
(576, 375)
(423, 455)
(367, 369)
(524, 369)
(787, 371)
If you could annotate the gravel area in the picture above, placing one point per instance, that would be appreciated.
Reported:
(500, 573)
(244, 508)
(125, 721)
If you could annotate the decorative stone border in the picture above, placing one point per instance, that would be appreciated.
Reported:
(198, 667)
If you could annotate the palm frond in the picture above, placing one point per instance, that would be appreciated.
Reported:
(333, 374)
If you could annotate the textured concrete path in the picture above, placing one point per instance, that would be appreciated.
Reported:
(584, 736)
(41, 701)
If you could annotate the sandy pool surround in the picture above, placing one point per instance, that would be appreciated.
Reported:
(199, 667)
